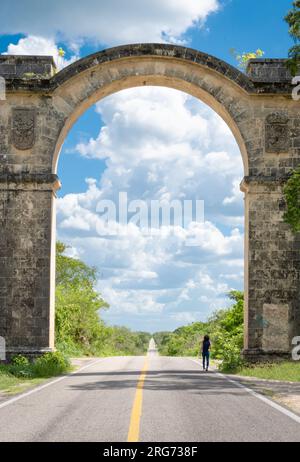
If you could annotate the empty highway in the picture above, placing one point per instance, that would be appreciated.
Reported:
(151, 399)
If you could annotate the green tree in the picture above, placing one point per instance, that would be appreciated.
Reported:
(77, 302)
(292, 187)
(292, 197)
(293, 20)
(79, 328)
(225, 328)
(72, 271)
(184, 341)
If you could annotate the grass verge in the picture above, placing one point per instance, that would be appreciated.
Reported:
(21, 374)
(285, 371)
(10, 385)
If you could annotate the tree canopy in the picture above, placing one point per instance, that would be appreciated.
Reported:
(79, 327)
(293, 20)
(292, 197)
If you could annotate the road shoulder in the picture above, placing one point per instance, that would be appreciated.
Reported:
(284, 393)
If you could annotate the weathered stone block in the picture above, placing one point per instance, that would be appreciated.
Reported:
(276, 332)
(27, 67)
(23, 128)
(277, 133)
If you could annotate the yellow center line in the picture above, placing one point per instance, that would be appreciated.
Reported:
(134, 427)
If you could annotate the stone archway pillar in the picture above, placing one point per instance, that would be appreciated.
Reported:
(26, 276)
(271, 275)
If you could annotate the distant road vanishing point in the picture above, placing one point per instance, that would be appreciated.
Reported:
(152, 350)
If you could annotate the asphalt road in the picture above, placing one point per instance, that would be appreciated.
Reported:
(152, 399)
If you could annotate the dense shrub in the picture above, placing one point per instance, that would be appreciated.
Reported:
(232, 359)
(292, 198)
(48, 365)
(226, 329)
(51, 364)
(20, 367)
(20, 360)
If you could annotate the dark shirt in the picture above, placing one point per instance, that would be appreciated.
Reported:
(205, 346)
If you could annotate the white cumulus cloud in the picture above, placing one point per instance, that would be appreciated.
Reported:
(109, 23)
(160, 144)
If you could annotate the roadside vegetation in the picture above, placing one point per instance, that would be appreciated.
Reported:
(285, 370)
(78, 324)
(225, 328)
(10, 384)
(292, 198)
(21, 373)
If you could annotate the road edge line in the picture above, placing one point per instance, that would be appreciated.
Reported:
(266, 400)
(48, 384)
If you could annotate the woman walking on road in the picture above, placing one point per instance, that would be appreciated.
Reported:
(205, 352)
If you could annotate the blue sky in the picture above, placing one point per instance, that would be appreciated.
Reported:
(124, 143)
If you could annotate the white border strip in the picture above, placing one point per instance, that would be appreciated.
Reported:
(268, 401)
(48, 384)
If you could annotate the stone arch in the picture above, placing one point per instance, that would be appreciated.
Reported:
(41, 106)
(216, 83)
